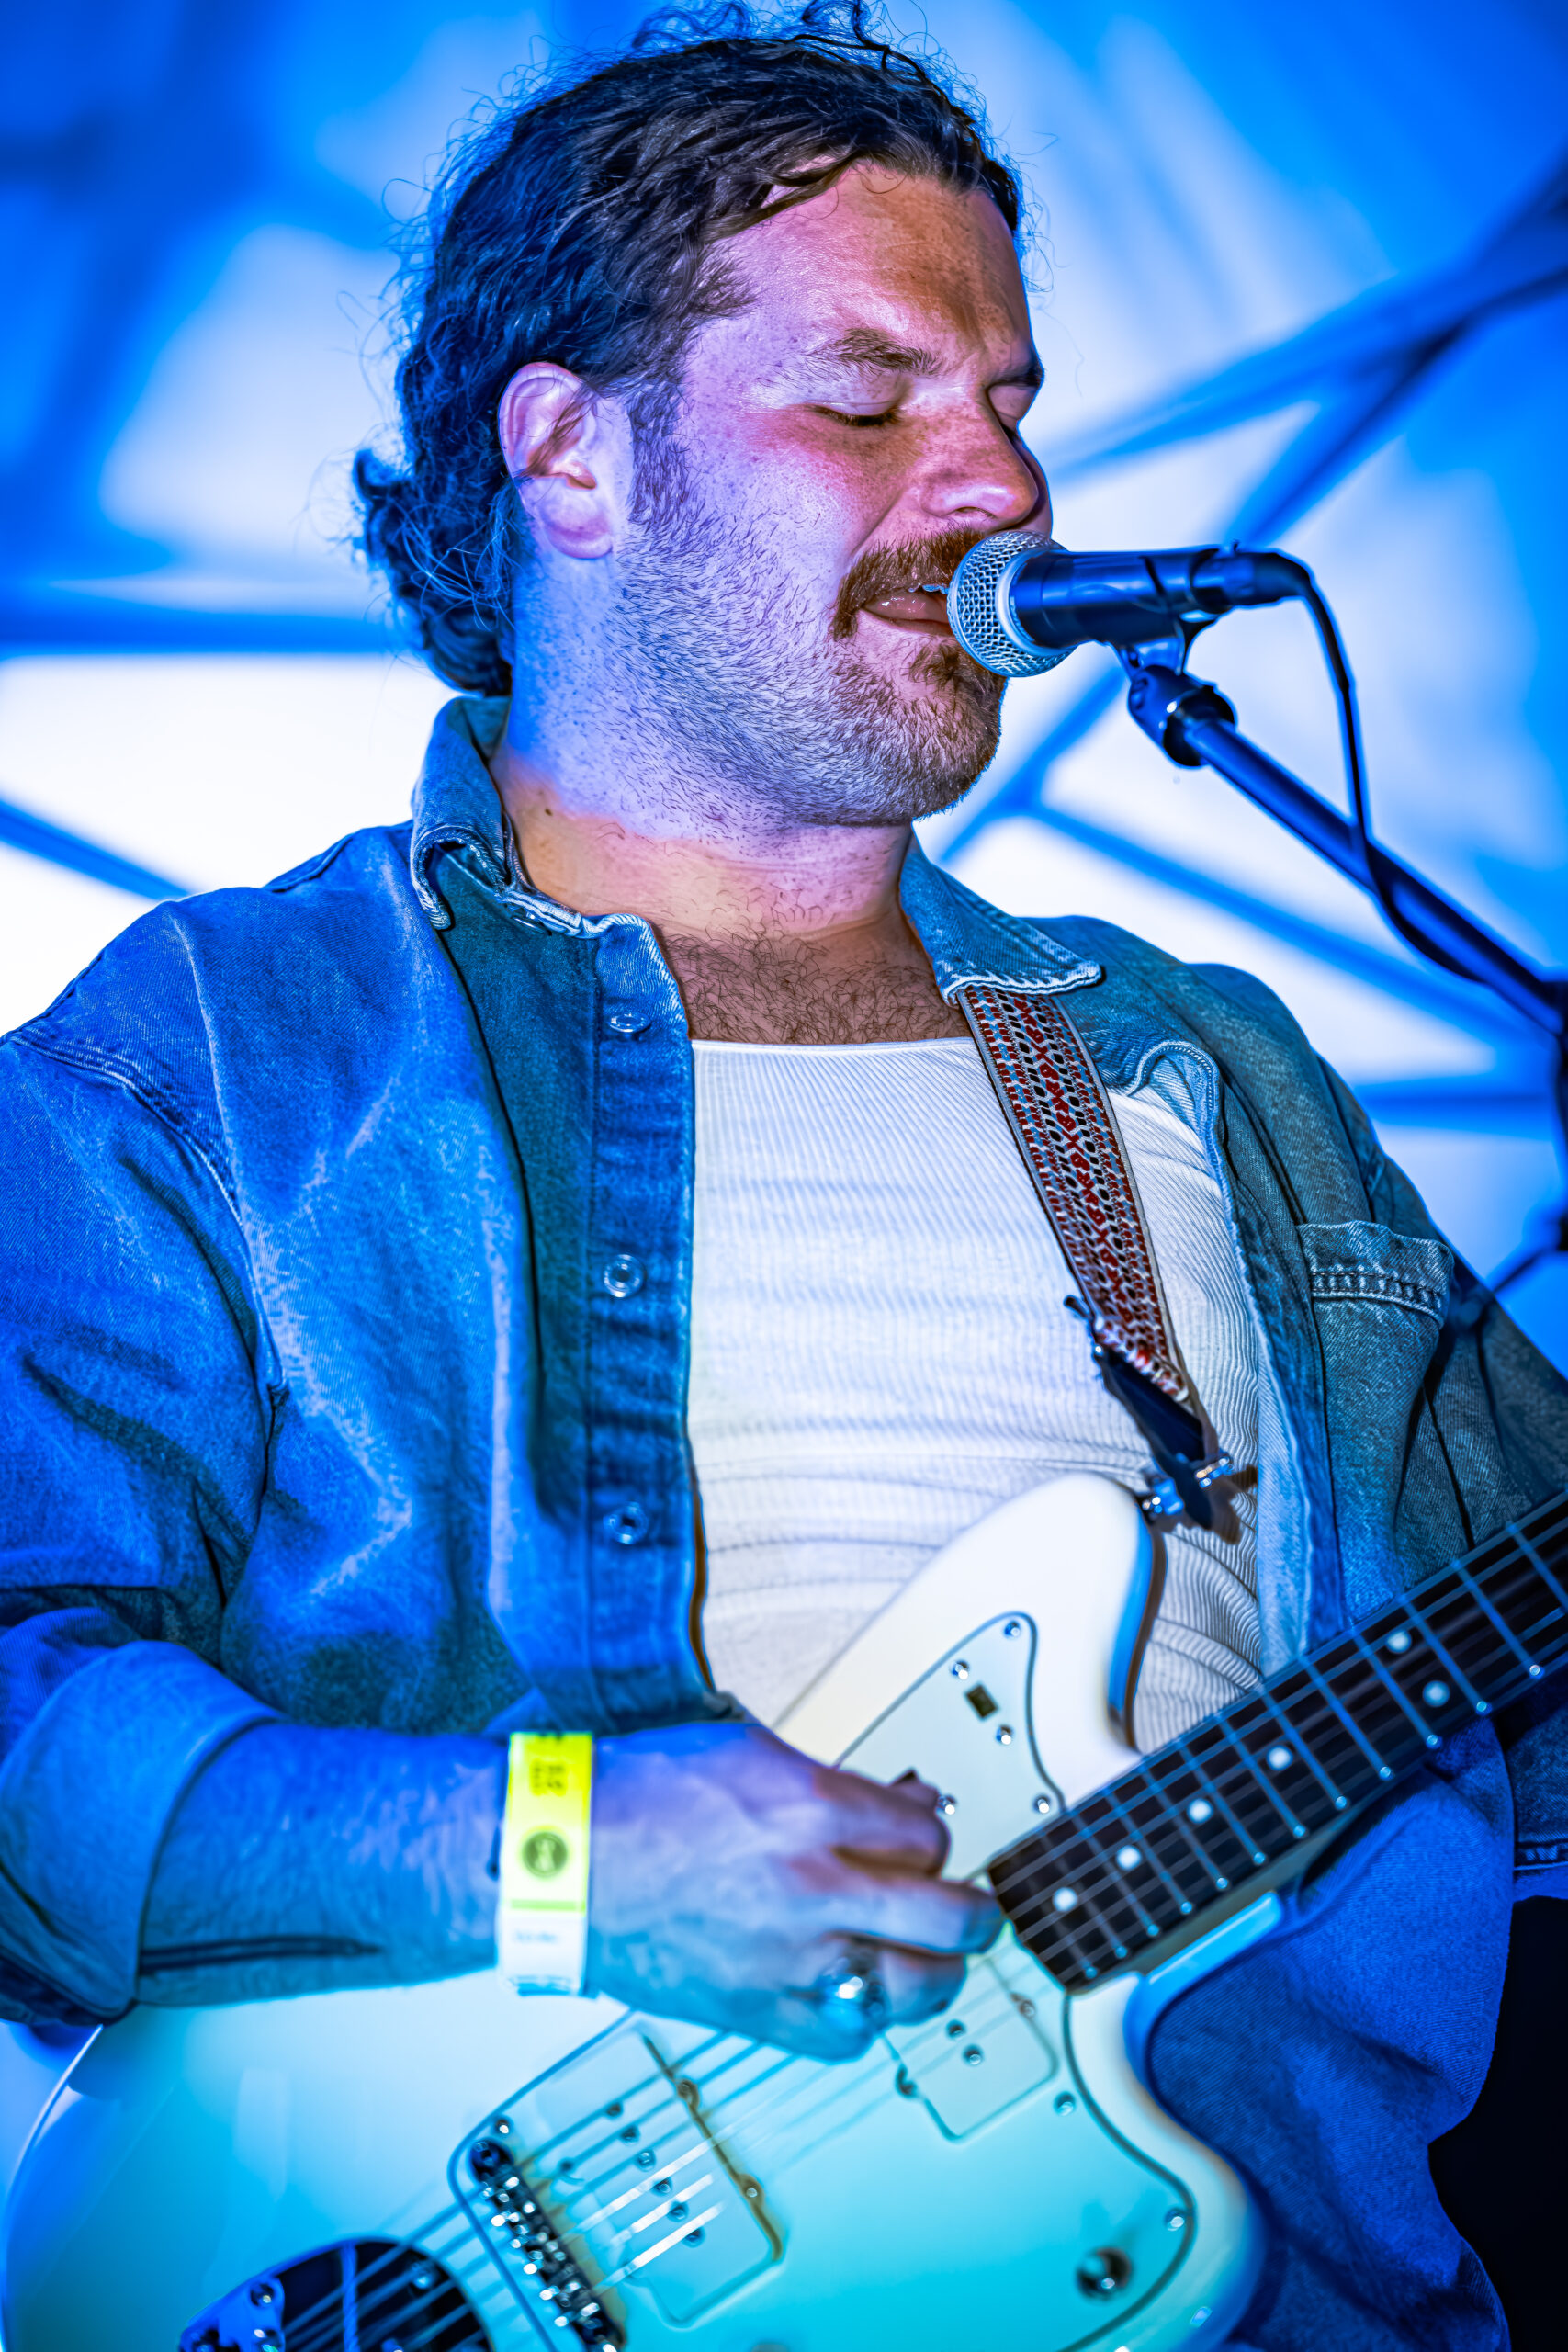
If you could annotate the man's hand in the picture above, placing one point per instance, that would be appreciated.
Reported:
(729, 1871)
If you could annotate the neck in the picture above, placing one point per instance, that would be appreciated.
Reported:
(777, 933)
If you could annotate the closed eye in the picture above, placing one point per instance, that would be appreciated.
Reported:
(848, 416)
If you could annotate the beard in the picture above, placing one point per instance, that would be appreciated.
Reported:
(751, 684)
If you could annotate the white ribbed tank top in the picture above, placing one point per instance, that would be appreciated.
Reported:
(880, 1354)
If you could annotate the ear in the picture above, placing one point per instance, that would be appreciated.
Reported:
(568, 450)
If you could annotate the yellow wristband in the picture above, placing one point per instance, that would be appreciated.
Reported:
(541, 1929)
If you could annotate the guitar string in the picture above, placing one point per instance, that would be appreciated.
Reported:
(1239, 1763)
(1166, 1766)
(574, 2235)
(732, 2121)
(322, 2329)
(1307, 1725)
(1237, 1767)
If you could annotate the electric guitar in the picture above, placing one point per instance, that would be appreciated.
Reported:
(451, 2169)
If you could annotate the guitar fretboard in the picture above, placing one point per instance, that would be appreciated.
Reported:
(1150, 1851)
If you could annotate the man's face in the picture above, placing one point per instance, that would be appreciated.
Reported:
(841, 441)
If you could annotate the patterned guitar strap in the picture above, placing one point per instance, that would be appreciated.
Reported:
(1061, 1118)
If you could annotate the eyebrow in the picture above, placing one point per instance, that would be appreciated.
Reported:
(863, 348)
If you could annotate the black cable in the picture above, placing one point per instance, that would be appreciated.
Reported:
(1556, 1220)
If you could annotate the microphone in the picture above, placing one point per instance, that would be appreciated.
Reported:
(1019, 604)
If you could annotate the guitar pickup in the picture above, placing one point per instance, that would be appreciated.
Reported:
(988, 2052)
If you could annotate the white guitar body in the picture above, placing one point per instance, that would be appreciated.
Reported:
(999, 2176)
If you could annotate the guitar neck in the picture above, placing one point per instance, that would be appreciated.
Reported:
(1148, 1853)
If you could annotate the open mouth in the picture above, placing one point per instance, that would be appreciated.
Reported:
(922, 606)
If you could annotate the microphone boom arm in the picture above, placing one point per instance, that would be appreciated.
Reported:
(1195, 726)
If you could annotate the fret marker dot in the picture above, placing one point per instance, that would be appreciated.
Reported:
(1128, 1858)
(1278, 1758)
(1065, 1898)
(1436, 1694)
(1399, 1643)
(1199, 1810)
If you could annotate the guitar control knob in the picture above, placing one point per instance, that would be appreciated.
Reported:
(1104, 2272)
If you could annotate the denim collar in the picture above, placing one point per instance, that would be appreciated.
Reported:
(456, 809)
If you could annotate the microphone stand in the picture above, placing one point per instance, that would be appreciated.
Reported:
(1195, 727)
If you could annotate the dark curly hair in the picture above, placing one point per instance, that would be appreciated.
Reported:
(579, 223)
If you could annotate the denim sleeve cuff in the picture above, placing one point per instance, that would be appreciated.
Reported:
(86, 1798)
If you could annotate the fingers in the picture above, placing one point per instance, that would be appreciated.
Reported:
(898, 1823)
(836, 1895)
(923, 1913)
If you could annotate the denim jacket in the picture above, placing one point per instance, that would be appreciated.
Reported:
(344, 1384)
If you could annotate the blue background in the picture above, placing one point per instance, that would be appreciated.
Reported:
(1300, 270)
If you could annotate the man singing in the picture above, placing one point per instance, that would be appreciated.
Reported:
(561, 1264)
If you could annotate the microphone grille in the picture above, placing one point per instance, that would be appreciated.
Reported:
(978, 610)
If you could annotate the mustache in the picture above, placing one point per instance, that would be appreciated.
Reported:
(887, 571)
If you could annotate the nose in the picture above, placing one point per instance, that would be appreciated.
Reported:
(978, 476)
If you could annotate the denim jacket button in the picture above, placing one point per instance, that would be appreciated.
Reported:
(628, 1019)
(623, 1276)
(626, 1524)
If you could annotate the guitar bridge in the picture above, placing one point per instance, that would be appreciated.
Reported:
(601, 2182)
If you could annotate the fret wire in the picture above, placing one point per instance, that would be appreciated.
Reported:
(1052, 1920)
(1081, 1882)
(1305, 1732)
(1140, 1839)
(1178, 1813)
(1485, 1617)
(1135, 1837)
(1248, 1841)
(1094, 1894)
(1173, 1817)
(1168, 1823)
(1057, 1922)
(1548, 1626)
(1344, 1659)
(1318, 1719)
(1510, 1638)
(1532, 1529)
(1374, 1756)
(1175, 1752)
(1428, 1736)
(1434, 1640)
(1091, 1889)
(1526, 1582)
(1528, 1548)
(1089, 1894)
(1270, 1788)
(1300, 1739)
(1287, 1812)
